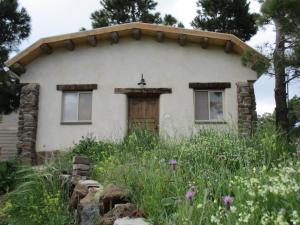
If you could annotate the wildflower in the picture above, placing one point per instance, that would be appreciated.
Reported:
(227, 201)
(189, 196)
(173, 163)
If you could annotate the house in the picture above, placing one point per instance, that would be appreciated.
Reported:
(108, 80)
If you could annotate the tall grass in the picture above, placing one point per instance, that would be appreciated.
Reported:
(260, 174)
(38, 199)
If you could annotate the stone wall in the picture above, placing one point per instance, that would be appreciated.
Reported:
(247, 116)
(27, 126)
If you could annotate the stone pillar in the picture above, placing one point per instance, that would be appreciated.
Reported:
(27, 126)
(247, 116)
(81, 169)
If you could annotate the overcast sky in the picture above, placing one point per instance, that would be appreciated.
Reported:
(53, 17)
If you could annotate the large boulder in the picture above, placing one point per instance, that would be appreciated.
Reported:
(111, 196)
(120, 211)
(81, 190)
(131, 221)
(88, 209)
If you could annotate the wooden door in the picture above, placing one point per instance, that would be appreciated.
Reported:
(143, 113)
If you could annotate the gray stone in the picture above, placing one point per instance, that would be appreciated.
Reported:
(131, 221)
(247, 116)
(81, 160)
(88, 210)
(28, 111)
(81, 167)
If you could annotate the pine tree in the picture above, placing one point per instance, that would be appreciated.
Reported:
(125, 11)
(170, 20)
(286, 57)
(14, 27)
(227, 16)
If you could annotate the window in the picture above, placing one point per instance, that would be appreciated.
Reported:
(208, 105)
(77, 106)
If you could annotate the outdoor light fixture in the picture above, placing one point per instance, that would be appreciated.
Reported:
(142, 83)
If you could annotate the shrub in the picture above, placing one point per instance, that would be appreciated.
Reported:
(90, 147)
(7, 176)
(38, 199)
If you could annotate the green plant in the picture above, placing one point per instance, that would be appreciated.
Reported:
(39, 199)
(7, 176)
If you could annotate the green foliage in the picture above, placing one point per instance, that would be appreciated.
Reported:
(120, 11)
(38, 199)
(14, 26)
(170, 20)
(286, 14)
(294, 111)
(261, 174)
(226, 16)
(256, 61)
(209, 161)
(7, 176)
(294, 117)
(9, 93)
(92, 148)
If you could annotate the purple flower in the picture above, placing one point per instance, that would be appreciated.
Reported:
(227, 201)
(173, 163)
(189, 196)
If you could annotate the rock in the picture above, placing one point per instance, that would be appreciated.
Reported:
(79, 159)
(88, 209)
(111, 196)
(80, 191)
(81, 167)
(120, 211)
(131, 221)
(85, 173)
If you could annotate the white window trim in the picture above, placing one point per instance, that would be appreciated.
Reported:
(208, 102)
(62, 121)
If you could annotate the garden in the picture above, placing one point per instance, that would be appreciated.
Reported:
(210, 177)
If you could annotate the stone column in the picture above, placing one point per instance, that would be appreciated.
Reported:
(27, 126)
(247, 116)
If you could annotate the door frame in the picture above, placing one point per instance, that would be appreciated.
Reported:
(142, 92)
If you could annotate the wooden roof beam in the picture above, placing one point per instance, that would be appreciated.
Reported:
(228, 46)
(69, 44)
(136, 33)
(92, 40)
(18, 68)
(204, 42)
(160, 36)
(114, 37)
(182, 39)
(46, 48)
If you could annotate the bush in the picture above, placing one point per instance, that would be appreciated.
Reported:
(7, 176)
(38, 199)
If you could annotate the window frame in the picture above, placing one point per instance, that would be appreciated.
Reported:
(208, 105)
(64, 122)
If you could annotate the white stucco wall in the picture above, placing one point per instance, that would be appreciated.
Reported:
(165, 65)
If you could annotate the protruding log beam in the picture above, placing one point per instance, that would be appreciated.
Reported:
(228, 46)
(92, 40)
(18, 68)
(182, 39)
(114, 38)
(204, 42)
(69, 44)
(46, 48)
(160, 36)
(136, 33)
